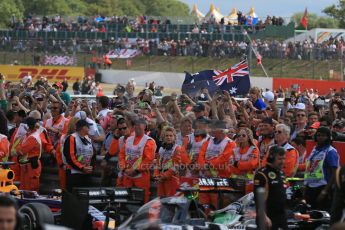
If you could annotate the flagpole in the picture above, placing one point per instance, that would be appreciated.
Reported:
(256, 54)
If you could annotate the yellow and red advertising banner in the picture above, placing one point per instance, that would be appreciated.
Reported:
(52, 73)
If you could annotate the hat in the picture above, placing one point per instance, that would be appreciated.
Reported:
(315, 125)
(218, 125)
(27, 79)
(58, 84)
(267, 120)
(35, 114)
(300, 106)
(81, 115)
(82, 123)
(268, 95)
(199, 107)
(120, 88)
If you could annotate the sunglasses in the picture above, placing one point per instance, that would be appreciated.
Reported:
(124, 128)
(278, 132)
(14, 104)
(242, 135)
(300, 115)
(54, 107)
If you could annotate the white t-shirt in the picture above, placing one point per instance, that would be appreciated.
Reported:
(93, 128)
(103, 113)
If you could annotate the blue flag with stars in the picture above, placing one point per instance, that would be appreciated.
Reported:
(235, 80)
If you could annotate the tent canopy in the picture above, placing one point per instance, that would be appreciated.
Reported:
(252, 13)
(196, 12)
(213, 13)
(232, 18)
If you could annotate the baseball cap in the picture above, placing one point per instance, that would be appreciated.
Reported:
(82, 123)
(81, 115)
(199, 107)
(27, 79)
(58, 84)
(300, 106)
(315, 125)
(120, 88)
(268, 95)
(267, 120)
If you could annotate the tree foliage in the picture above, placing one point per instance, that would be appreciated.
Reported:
(315, 21)
(92, 7)
(10, 9)
(337, 12)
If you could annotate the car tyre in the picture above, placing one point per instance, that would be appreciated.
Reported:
(35, 215)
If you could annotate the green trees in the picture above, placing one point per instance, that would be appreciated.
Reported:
(20, 8)
(337, 12)
(315, 21)
(10, 9)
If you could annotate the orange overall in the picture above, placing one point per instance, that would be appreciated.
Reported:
(4, 148)
(137, 155)
(30, 147)
(243, 163)
(291, 160)
(216, 156)
(166, 169)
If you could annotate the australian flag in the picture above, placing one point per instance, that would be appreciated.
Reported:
(235, 80)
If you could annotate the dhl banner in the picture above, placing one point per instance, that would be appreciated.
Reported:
(52, 73)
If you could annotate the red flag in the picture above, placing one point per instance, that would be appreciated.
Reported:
(304, 19)
(259, 59)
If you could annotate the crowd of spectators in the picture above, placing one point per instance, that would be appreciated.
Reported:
(303, 50)
(128, 24)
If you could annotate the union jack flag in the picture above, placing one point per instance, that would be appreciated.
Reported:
(235, 80)
(238, 70)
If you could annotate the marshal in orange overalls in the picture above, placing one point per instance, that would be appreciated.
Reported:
(166, 170)
(137, 156)
(216, 156)
(30, 148)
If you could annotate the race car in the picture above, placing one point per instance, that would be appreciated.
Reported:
(175, 213)
(56, 208)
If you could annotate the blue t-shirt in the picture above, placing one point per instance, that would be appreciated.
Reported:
(260, 104)
(331, 162)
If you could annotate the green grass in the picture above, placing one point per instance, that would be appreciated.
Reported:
(274, 67)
